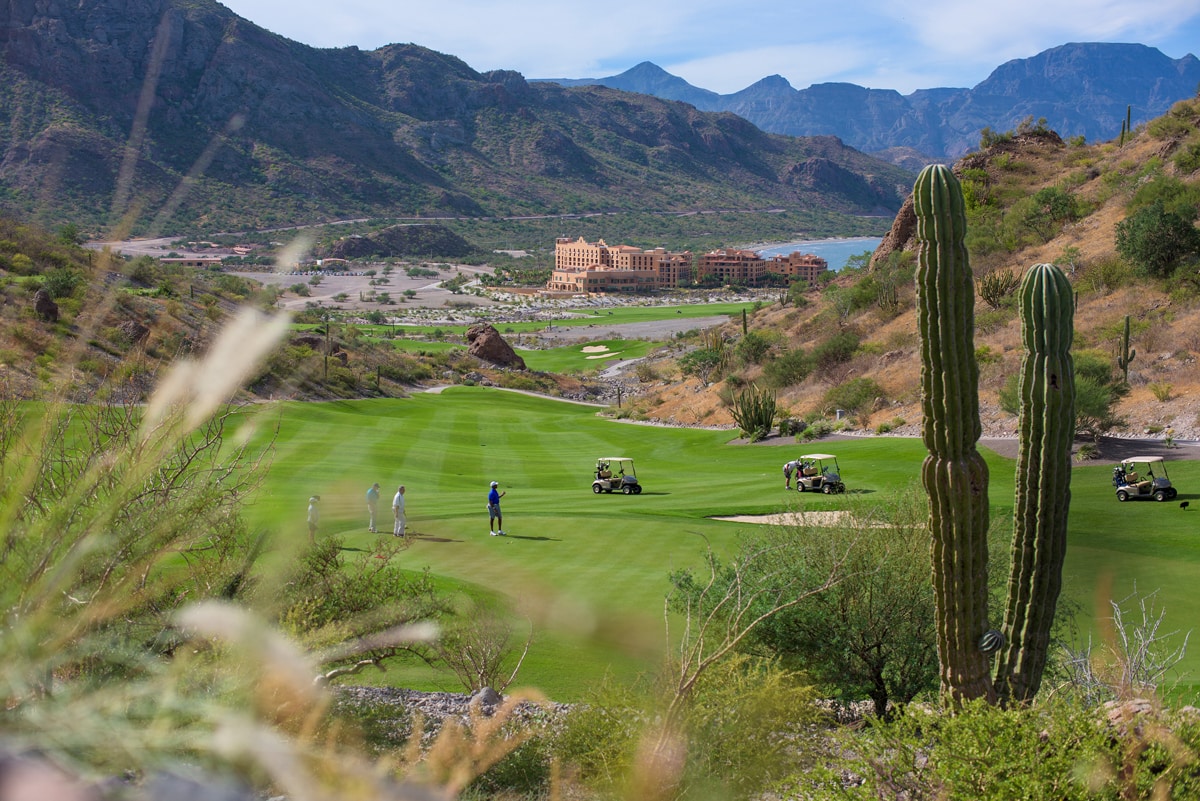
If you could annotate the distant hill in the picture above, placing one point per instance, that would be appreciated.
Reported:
(151, 116)
(1081, 89)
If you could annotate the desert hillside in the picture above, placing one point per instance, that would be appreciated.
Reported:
(873, 307)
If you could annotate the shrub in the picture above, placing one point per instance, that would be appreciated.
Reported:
(788, 369)
(855, 395)
(1156, 240)
(1161, 391)
(817, 428)
(752, 348)
(836, 350)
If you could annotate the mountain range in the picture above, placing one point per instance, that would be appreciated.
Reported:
(1081, 89)
(151, 116)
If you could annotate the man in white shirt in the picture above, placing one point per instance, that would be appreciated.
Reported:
(398, 512)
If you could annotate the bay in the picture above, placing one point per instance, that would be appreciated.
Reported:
(834, 251)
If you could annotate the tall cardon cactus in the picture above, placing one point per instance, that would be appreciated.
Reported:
(1043, 481)
(955, 476)
(1126, 355)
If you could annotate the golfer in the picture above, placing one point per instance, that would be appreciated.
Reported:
(398, 512)
(495, 521)
(314, 517)
(789, 468)
(372, 505)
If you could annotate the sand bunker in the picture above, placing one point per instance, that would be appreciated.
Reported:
(612, 355)
(793, 518)
(839, 517)
(595, 348)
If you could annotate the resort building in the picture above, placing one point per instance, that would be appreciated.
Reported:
(582, 266)
(798, 266)
(732, 266)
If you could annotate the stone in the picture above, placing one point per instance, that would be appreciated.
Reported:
(133, 331)
(487, 697)
(486, 344)
(45, 306)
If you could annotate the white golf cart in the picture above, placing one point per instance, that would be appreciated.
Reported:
(819, 472)
(616, 473)
(1143, 477)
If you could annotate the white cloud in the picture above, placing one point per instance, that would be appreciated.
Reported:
(725, 46)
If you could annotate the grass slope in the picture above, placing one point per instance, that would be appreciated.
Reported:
(591, 571)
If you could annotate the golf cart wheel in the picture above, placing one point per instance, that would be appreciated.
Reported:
(1171, 493)
(1160, 495)
(627, 490)
(799, 487)
(1122, 496)
(637, 490)
(596, 488)
(827, 489)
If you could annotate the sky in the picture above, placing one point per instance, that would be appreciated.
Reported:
(726, 45)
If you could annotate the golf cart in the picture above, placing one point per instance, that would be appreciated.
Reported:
(615, 473)
(1135, 477)
(819, 472)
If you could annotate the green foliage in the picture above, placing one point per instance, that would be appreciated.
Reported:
(1177, 197)
(707, 364)
(1057, 751)
(1160, 390)
(754, 412)
(834, 351)
(856, 395)
(1156, 240)
(753, 347)
(872, 634)
(1051, 208)
(788, 369)
(63, 282)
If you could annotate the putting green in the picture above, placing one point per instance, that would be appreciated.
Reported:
(590, 570)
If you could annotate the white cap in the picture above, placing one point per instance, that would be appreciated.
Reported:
(495, 483)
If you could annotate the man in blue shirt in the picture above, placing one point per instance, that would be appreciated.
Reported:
(495, 521)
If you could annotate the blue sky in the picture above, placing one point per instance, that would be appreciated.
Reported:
(726, 45)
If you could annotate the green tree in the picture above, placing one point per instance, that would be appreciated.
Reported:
(872, 635)
(1156, 240)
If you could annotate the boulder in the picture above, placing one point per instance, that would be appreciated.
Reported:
(486, 344)
(45, 306)
(133, 331)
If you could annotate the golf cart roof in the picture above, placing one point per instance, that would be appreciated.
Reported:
(818, 456)
(614, 459)
(1142, 459)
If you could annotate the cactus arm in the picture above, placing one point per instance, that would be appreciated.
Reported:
(954, 474)
(1043, 479)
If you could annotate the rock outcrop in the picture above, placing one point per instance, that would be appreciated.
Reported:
(485, 343)
(45, 306)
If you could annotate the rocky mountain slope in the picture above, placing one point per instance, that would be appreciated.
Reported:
(160, 115)
(877, 318)
(1081, 89)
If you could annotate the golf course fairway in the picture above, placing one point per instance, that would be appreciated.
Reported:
(591, 571)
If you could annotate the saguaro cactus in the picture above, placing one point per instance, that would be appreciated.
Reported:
(955, 476)
(1043, 480)
(1126, 355)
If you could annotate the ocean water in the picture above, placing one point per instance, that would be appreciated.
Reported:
(834, 251)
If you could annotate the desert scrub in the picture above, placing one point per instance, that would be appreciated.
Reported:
(1055, 750)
